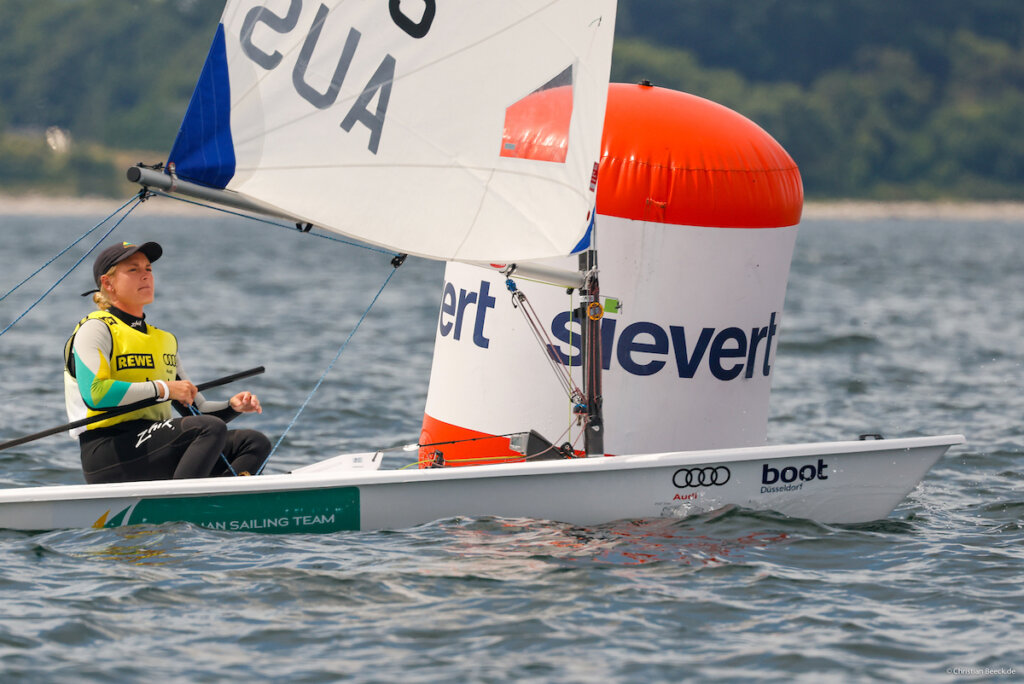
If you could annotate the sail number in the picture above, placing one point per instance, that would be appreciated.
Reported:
(416, 29)
(379, 84)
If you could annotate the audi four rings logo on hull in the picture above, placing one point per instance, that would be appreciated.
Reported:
(701, 477)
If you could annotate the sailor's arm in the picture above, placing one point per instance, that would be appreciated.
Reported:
(243, 402)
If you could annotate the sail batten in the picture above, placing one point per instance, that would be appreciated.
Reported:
(388, 128)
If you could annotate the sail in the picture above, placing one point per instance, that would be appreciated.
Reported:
(384, 121)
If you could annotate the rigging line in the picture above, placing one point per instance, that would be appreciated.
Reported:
(138, 201)
(546, 344)
(327, 370)
(571, 390)
(197, 412)
(419, 445)
(260, 219)
(61, 253)
(572, 331)
(518, 458)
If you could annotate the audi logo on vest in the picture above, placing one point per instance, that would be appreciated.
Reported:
(640, 347)
(789, 475)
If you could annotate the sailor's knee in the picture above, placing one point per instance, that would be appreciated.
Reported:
(260, 443)
(209, 425)
(215, 426)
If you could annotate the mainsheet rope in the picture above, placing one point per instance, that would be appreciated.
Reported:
(196, 412)
(396, 262)
(138, 199)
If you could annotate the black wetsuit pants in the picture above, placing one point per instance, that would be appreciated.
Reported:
(193, 446)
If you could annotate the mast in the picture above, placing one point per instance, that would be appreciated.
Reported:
(591, 313)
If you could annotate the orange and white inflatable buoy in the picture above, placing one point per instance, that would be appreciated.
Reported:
(697, 209)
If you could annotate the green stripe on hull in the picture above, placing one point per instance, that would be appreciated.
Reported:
(317, 510)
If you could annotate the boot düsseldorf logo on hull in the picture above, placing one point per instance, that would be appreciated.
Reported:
(791, 478)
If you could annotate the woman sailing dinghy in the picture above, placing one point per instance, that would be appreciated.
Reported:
(386, 127)
(115, 359)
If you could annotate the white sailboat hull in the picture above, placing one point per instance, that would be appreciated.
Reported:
(838, 482)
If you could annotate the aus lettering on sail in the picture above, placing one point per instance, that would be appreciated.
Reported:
(266, 35)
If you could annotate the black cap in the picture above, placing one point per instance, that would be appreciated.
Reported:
(115, 254)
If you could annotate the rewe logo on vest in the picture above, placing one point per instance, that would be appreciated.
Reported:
(126, 361)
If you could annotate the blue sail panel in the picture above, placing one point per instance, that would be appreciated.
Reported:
(584, 242)
(204, 151)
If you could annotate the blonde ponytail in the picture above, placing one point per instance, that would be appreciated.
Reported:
(102, 298)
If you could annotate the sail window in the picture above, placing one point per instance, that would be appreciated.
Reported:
(537, 126)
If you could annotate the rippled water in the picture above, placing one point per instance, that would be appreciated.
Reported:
(898, 327)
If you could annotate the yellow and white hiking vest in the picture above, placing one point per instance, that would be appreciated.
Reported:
(136, 357)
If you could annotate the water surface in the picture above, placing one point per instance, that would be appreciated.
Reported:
(905, 328)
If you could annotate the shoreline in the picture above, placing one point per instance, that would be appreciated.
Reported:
(856, 210)
(868, 210)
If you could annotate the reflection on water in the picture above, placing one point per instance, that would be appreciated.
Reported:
(497, 546)
(139, 545)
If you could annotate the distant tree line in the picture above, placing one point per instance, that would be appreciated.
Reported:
(115, 75)
(875, 98)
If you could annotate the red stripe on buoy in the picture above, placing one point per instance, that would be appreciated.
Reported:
(461, 446)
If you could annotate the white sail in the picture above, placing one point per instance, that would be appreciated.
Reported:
(383, 121)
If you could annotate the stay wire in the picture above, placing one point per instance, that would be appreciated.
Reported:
(63, 251)
(547, 345)
(329, 366)
(138, 200)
